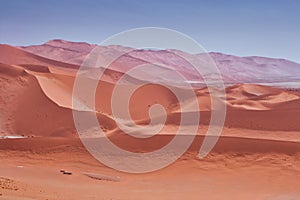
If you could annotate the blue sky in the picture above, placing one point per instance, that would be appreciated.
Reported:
(265, 28)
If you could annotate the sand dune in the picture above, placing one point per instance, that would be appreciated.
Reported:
(258, 97)
(44, 96)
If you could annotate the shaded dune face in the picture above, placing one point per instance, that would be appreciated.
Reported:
(148, 95)
(29, 111)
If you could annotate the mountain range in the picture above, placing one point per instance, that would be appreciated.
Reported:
(233, 69)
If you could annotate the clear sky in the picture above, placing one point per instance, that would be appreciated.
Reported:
(264, 27)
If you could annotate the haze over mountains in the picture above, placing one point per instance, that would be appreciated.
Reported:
(233, 69)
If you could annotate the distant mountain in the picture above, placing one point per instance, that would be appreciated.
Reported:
(61, 50)
(234, 69)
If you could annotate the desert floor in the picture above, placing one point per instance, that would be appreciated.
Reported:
(238, 168)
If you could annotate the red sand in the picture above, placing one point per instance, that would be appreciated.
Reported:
(257, 156)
